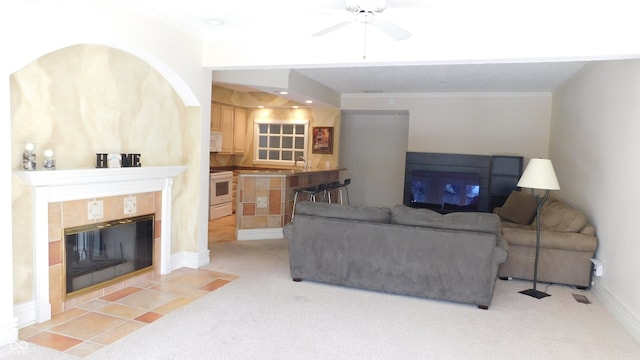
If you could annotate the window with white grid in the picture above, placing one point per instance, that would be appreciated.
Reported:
(280, 142)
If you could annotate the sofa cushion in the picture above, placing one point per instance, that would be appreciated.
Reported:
(405, 215)
(469, 221)
(348, 212)
(520, 208)
(555, 215)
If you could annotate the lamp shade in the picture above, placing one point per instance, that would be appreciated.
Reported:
(539, 174)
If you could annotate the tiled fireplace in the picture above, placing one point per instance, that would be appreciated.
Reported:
(64, 198)
(99, 254)
(69, 214)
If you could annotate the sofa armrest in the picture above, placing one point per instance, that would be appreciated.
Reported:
(502, 250)
(287, 231)
(551, 239)
(588, 230)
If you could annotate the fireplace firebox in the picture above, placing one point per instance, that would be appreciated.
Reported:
(445, 191)
(99, 254)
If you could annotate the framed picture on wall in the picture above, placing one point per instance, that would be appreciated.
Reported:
(322, 140)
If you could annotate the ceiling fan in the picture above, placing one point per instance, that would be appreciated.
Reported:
(364, 12)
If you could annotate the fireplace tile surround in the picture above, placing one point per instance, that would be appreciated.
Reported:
(60, 200)
(74, 213)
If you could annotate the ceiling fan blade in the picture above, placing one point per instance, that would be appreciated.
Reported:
(391, 29)
(332, 28)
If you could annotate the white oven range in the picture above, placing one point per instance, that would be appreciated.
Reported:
(220, 188)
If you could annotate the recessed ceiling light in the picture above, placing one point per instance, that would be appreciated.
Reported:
(283, 93)
(214, 21)
(309, 101)
(295, 106)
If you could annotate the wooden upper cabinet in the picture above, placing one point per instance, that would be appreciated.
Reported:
(239, 129)
(226, 126)
(233, 125)
(215, 117)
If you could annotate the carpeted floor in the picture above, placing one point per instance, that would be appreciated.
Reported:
(265, 315)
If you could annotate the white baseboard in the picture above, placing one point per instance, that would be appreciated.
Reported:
(203, 258)
(189, 259)
(260, 234)
(619, 311)
(25, 314)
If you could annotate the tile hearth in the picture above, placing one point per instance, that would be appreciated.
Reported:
(97, 323)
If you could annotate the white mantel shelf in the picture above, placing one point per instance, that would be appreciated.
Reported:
(97, 175)
(64, 185)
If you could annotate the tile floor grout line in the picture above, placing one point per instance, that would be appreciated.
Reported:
(177, 295)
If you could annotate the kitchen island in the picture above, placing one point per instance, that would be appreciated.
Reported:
(264, 200)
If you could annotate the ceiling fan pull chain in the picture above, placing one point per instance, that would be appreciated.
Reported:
(364, 46)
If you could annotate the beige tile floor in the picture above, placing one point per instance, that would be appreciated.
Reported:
(97, 323)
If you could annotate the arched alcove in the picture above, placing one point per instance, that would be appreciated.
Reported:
(86, 99)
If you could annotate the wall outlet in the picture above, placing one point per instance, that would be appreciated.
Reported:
(597, 267)
(262, 202)
(130, 205)
(95, 209)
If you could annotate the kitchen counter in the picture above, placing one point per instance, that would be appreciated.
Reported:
(285, 171)
(269, 170)
(265, 198)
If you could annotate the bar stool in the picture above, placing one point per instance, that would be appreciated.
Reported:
(329, 188)
(337, 185)
(310, 191)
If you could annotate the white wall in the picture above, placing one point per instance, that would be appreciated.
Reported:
(594, 148)
(373, 146)
(483, 124)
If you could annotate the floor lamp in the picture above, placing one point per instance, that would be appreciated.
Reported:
(539, 174)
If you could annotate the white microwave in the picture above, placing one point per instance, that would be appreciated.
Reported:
(215, 141)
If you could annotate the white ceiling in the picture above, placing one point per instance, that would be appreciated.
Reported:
(508, 77)
(244, 19)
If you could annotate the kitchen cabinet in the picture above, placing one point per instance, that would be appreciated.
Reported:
(233, 124)
(239, 129)
(215, 117)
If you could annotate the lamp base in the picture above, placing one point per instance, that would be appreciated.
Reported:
(535, 293)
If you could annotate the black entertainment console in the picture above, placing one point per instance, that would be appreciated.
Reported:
(458, 182)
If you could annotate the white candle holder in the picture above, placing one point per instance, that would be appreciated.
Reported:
(49, 162)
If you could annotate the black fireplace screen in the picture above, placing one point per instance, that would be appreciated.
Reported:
(440, 190)
(98, 253)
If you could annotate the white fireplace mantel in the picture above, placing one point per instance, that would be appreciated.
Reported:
(66, 185)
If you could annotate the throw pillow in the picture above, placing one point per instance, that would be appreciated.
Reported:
(520, 208)
(555, 215)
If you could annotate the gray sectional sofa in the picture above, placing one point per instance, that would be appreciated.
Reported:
(567, 241)
(401, 250)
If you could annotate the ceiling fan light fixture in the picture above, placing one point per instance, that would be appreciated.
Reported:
(359, 6)
(364, 17)
(364, 12)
